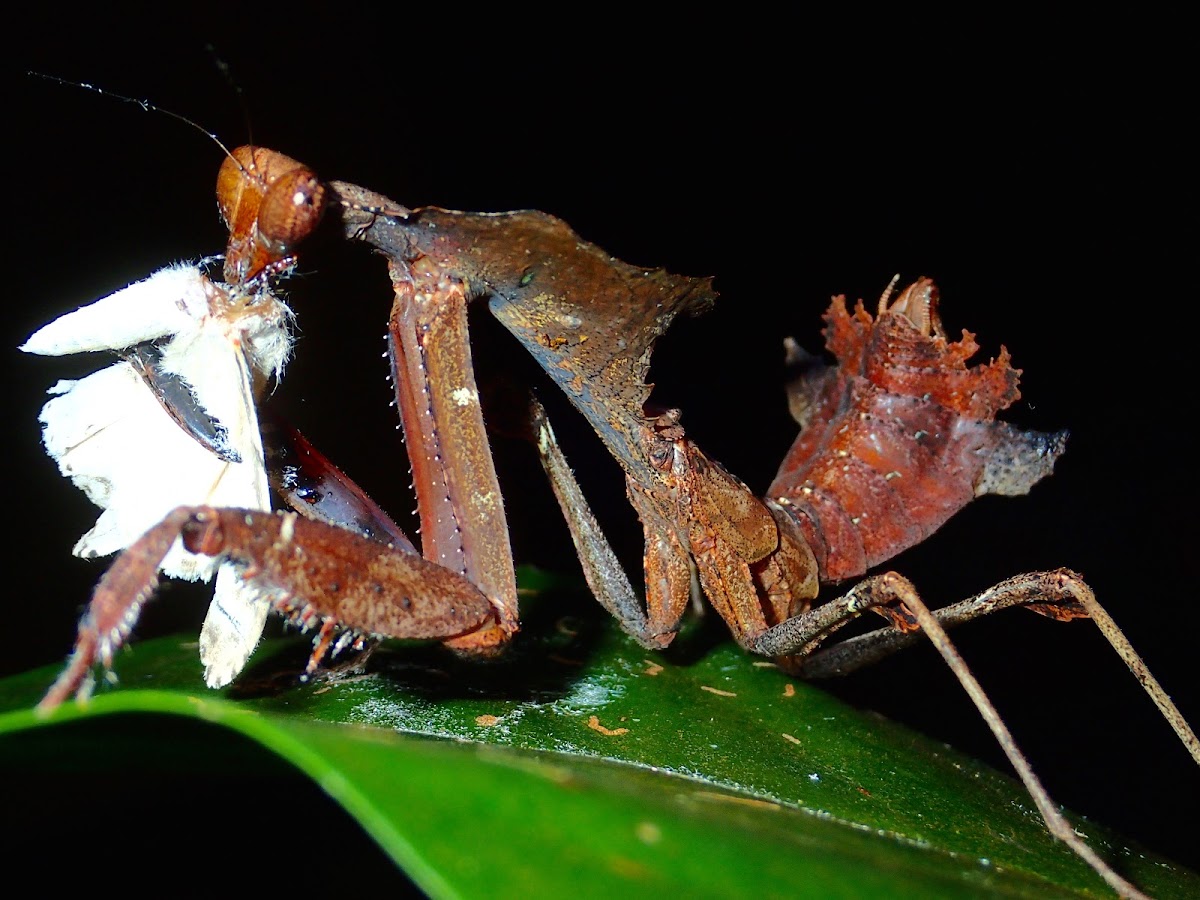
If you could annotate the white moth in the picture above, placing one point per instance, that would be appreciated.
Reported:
(113, 436)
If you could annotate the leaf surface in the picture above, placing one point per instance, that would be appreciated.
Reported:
(585, 764)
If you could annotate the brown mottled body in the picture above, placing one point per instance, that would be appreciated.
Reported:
(591, 322)
(694, 512)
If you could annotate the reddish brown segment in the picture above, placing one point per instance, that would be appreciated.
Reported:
(316, 574)
(463, 526)
(754, 573)
(312, 570)
(900, 435)
(270, 202)
(313, 486)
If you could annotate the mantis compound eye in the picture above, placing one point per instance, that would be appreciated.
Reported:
(270, 203)
(291, 210)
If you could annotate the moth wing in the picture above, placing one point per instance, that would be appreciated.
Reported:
(110, 436)
(214, 360)
(232, 628)
(168, 302)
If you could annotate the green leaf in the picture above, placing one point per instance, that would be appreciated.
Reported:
(582, 764)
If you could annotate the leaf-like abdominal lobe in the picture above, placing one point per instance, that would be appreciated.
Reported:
(900, 434)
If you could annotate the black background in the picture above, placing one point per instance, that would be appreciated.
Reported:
(1041, 187)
